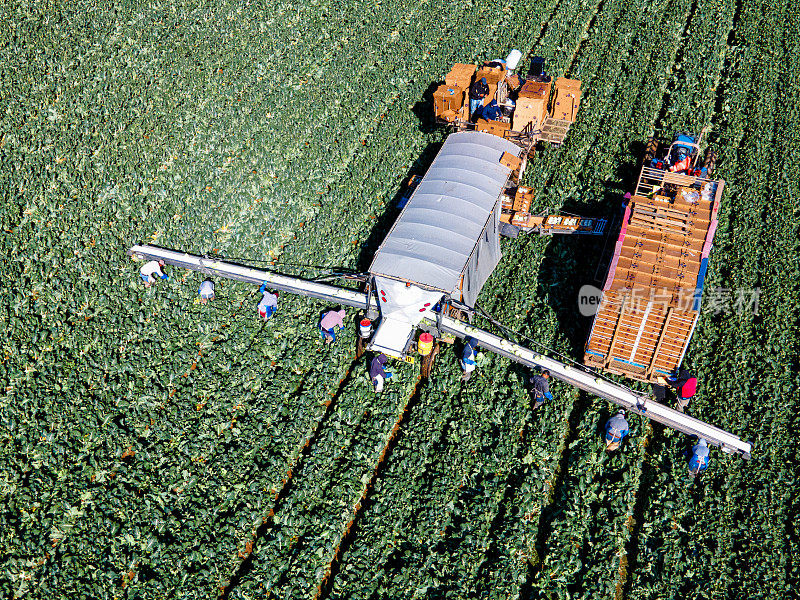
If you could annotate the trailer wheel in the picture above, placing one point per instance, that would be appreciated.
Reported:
(426, 366)
(710, 161)
(650, 150)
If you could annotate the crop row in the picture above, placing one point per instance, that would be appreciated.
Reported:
(303, 536)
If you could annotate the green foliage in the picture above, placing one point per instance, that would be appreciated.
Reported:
(152, 447)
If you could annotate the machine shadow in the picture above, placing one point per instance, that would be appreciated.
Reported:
(423, 110)
(573, 261)
(385, 221)
(569, 263)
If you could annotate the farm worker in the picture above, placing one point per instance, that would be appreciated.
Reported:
(477, 92)
(377, 374)
(269, 302)
(150, 270)
(616, 430)
(682, 161)
(540, 388)
(206, 291)
(684, 384)
(329, 322)
(492, 111)
(698, 462)
(468, 357)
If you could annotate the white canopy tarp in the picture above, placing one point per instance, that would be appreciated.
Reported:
(450, 222)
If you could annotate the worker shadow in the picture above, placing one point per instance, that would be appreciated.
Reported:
(385, 221)
(423, 110)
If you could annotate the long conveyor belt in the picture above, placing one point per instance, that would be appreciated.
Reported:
(587, 381)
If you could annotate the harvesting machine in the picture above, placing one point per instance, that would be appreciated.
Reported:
(426, 275)
(523, 109)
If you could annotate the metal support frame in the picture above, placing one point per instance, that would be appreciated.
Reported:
(285, 283)
(638, 403)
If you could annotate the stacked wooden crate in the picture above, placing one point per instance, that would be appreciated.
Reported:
(650, 301)
(531, 105)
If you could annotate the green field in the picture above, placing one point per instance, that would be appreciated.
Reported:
(151, 447)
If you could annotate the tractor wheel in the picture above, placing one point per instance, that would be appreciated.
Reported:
(426, 366)
(361, 346)
(710, 161)
(650, 150)
(459, 315)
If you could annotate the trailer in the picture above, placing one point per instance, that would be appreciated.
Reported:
(651, 296)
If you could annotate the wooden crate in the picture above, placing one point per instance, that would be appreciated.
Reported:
(514, 82)
(520, 218)
(498, 128)
(535, 90)
(566, 99)
(493, 76)
(491, 95)
(531, 105)
(460, 76)
(523, 199)
(447, 98)
(512, 161)
(528, 110)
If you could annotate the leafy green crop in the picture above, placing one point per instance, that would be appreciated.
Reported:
(152, 447)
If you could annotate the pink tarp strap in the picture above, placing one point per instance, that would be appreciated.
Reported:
(618, 248)
(712, 229)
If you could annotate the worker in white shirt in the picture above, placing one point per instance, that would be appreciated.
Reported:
(268, 304)
(150, 270)
(206, 291)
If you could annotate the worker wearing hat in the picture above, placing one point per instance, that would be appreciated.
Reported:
(540, 388)
(698, 461)
(377, 374)
(206, 291)
(150, 270)
(684, 384)
(468, 358)
(616, 430)
(268, 304)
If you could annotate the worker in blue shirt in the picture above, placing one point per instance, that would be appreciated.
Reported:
(377, 374)
(698, 461)
(616, 430)
(206, 291)
(540, 388)
(468, 358)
